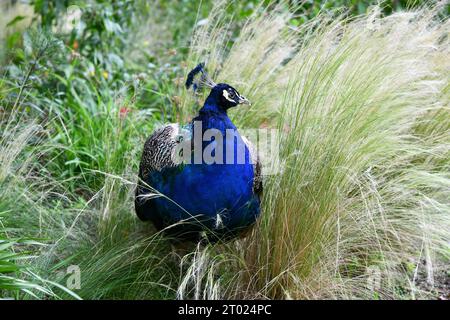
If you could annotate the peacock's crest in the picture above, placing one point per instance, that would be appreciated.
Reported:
(204, 80)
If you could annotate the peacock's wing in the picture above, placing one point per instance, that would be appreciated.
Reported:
(159, 149)
(158, 154)
(256, 161)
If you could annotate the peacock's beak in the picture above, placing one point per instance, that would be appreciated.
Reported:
(244, 100)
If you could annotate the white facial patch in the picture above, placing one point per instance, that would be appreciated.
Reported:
(225, 94)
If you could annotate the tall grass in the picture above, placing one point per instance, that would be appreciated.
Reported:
(67, 177)
(86, 221)
(362, 105)
(19, 249)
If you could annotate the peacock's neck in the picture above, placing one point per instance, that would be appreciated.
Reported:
(209, 110)
(214, 117)
(211, 106)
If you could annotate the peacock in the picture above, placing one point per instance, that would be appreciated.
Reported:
(201, 180)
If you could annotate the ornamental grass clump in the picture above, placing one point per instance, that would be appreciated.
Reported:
(359, 207)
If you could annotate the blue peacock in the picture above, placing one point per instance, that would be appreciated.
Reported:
(196, 198)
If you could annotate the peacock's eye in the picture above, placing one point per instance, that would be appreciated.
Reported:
(231, 94)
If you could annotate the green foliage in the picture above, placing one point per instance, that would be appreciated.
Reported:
(83, 90)
(49, 10)
(10, 283)
(15, 276)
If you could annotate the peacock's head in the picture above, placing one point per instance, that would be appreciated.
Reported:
(227, 96)
(224, 95)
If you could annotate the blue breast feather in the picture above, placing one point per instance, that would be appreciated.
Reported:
(208, 197)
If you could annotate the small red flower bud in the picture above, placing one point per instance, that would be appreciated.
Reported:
(123, 112)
